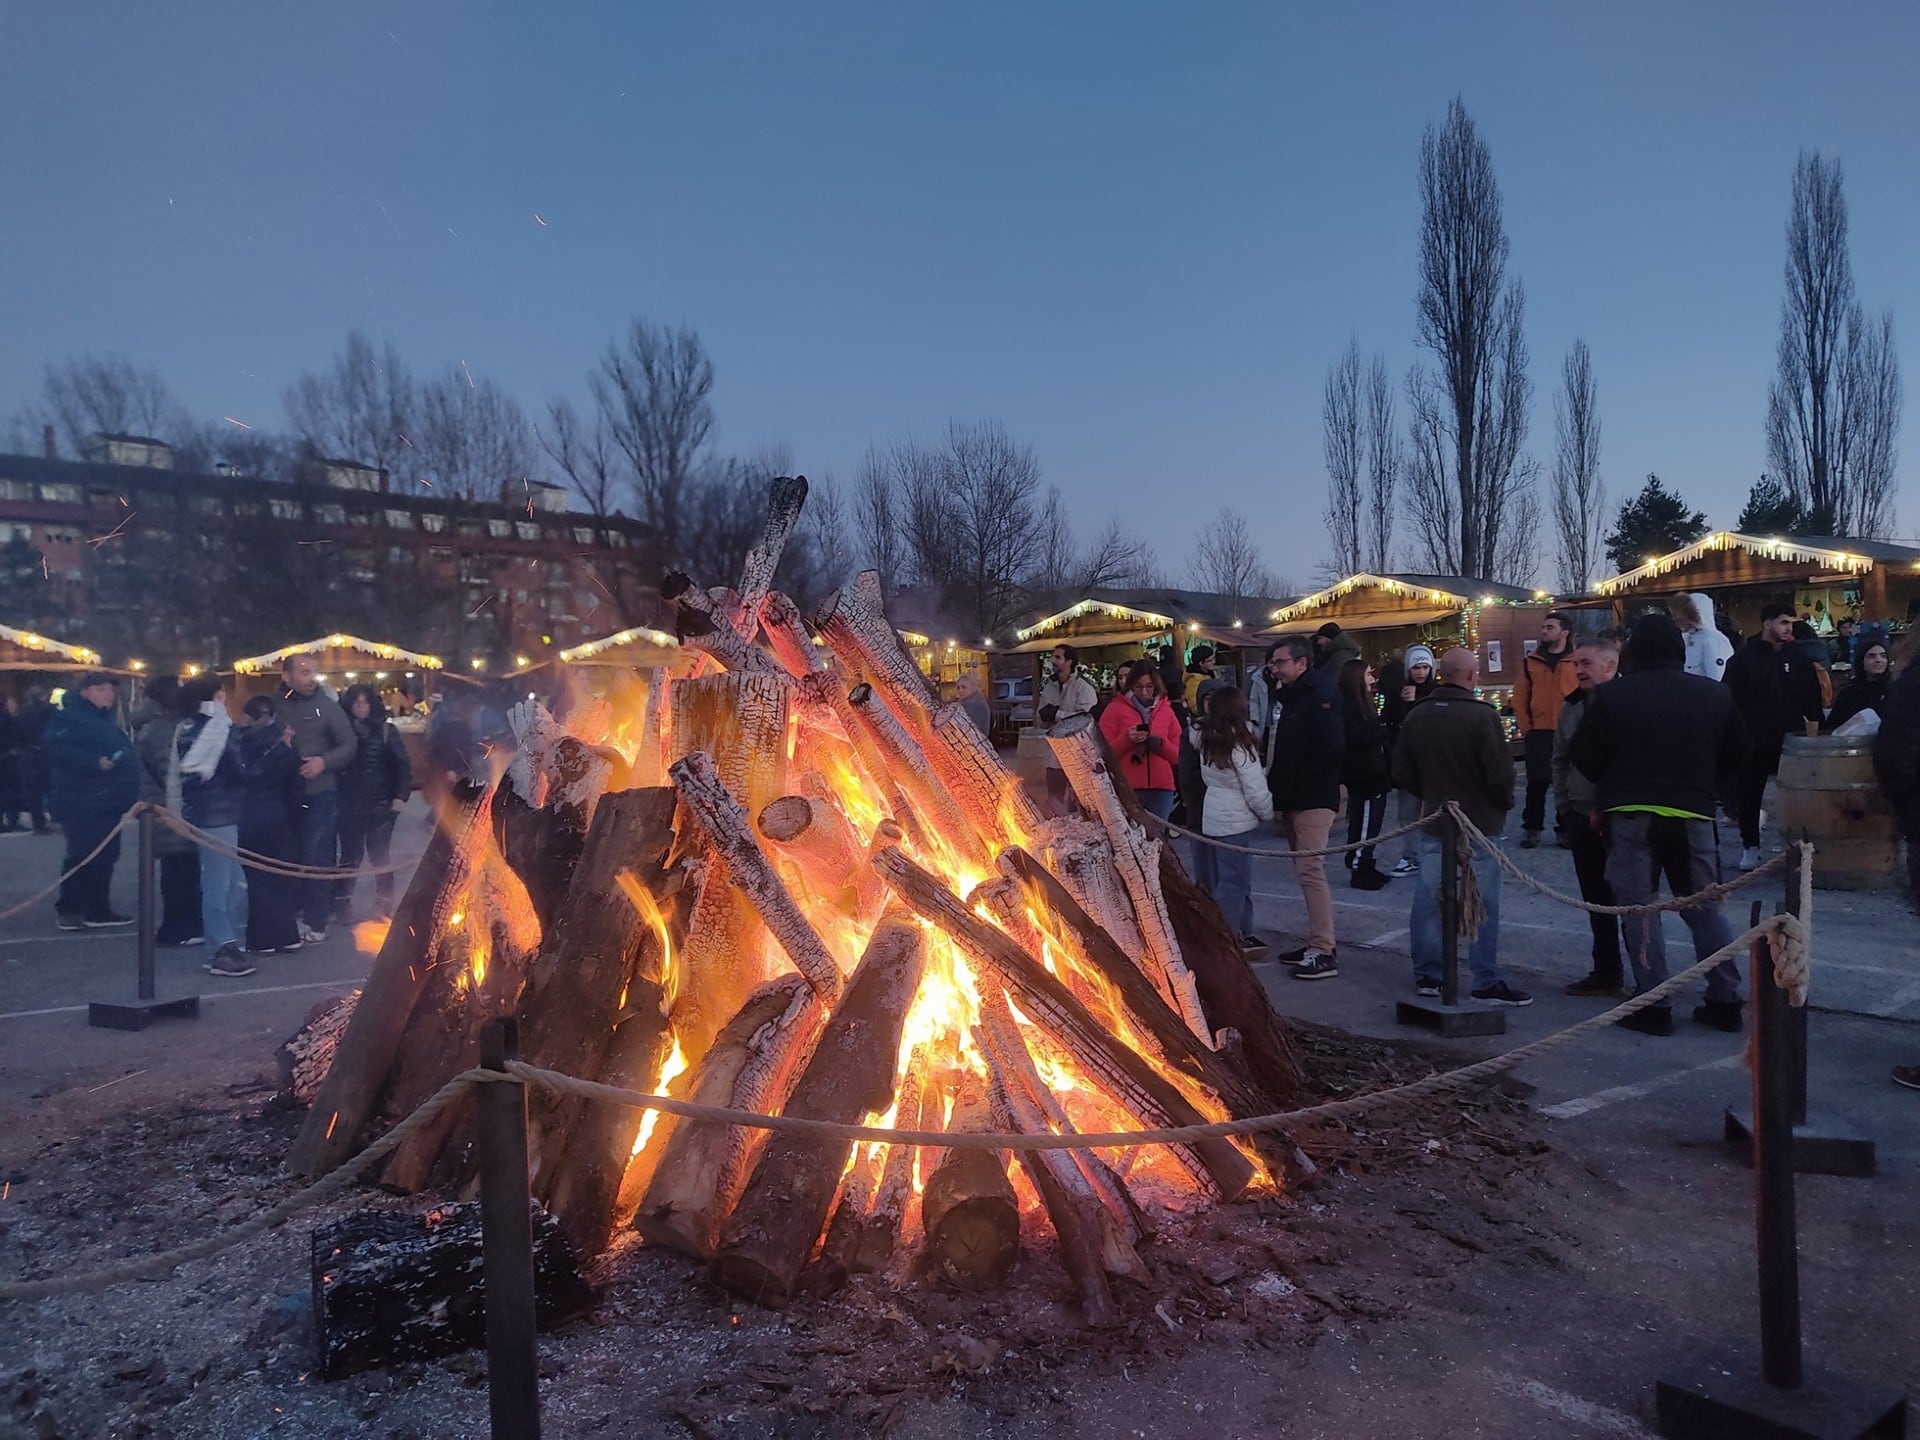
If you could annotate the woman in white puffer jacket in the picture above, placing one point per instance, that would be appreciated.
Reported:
(1707, 649)
(1238, 804)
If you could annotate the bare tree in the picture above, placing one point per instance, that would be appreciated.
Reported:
(1055, 556)
(1342, 435)
(971, 522)
(584, 455)
(1833, 410)
(651, 390)
(363, 408)
(1116, 557)
(99, 395)
(1228, 562)
(1470, 418)
(1579, 494)
(472, 440)
(1384, 466)
(876, 520)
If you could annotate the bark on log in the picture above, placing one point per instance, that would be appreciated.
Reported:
(391, 1288)
(701, 625)
(307, 1054)
(602, 973)
(840, 1251)
(367, 1049)
(968, 1211)
(853, 621)
(702, 1163)
(880, 1235)
(1080, 854)
(908, 766)
(1127, 1077)
(1229, 991)
(786, 495)
(773, 1230)
(787, 637)
(817, 839)
(1083, 756)
(750, 872)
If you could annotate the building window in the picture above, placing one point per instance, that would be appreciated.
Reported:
(469, 528)
(285, 509)
(583, 535)
(208, 505)
(329, 514)
(527, 530)
(500, 529)
(400, 519)
(60, 494)
(431, 521)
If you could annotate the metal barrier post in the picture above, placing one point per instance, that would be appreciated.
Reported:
(506, 1221)
(1773, 1199)
(1446, 1015)
(141, 1011)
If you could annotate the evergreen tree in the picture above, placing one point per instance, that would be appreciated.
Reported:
(1652, 523)
(1771, 510)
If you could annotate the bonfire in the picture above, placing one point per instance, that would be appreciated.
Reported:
(792, 881)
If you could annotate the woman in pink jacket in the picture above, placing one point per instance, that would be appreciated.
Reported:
(1144, 734)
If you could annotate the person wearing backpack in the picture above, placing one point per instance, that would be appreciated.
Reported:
(374, 787)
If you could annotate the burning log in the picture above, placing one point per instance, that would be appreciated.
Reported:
(474, 975)
(971, 768)
(650, 759)
(726, 827)
(390, 1288)
(703, 626)
(840, 1250)
(816, 837)
(372, 1039)
(307, 1054)
(1016, 1080)
(1077, 745)
(1124, 1075)
(787, 637)
(968, 1212)
(702, 1164)
(595, 1007)
(853, 622)
(741, 722)
(1082, 857)
(908, 763)
(786, 495)
(773, 1229)
(881, 1233)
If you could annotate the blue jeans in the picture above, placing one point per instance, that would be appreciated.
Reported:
(1206, 866)
(319, 845)
(1232, 884)
(1483, 955)
(219, 890)
(1641, 849)
(1157, 803)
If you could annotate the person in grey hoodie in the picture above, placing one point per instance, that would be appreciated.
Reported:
(326, 745)
(1707, 649)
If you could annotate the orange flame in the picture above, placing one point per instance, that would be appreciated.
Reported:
(673, 1066)
(370, 935)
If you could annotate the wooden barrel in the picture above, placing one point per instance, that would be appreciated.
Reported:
(1826, 793)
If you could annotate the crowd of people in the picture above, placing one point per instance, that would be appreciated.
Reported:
(300, 778)
(1644, 741)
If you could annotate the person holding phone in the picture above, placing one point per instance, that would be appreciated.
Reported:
(1144, 734)
(95, 780)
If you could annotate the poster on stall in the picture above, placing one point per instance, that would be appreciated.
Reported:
(1493, 655)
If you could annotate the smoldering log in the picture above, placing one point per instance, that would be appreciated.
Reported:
(786, 496)
(816, 837)
(390, 1288)
(702, 1163)
(880, 1235)
(840, 1250)
(306, 1055)
(725, 823)
(772, 1231)
(973, 771)
(599, 987)
(1124, 1075)
(908, 764)
(787, 637)
(968, 1211)
(366, 1051)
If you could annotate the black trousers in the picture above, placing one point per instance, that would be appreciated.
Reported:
(368, 834)
(1762, 762)
(86, 891)
(1590, 869)
(1539, 743)
(179, 898)
(1365, 819)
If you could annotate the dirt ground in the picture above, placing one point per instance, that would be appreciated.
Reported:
(224, 1349)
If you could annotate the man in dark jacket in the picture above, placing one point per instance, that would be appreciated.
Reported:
(1654, 743)
(1453, 747)
(96, 780)
(213, 790)
(373, 791)
(1777, 692)
(325, 741)
(1896, 760)
(1332, 648)
(1576, 806)
(30, 733)
(1306, 743)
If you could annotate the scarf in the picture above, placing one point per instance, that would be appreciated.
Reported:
(1146, 710)
(203, 756)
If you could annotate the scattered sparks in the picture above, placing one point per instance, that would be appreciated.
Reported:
(114, 534)
(538, 221)
(240, 423)
(469, 375)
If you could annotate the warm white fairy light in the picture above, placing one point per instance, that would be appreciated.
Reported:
(622, 637)
(1089, 607)
(257, 664)
(30, 641)
(1767, 547)
(1306, 604)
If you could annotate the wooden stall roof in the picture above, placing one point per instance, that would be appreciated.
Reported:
(1152, 608)
(1781, 559)
(1372, 602)
(24, 650)
(336, 651)
(639, 646)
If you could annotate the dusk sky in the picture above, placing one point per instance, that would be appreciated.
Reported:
(1135, 233)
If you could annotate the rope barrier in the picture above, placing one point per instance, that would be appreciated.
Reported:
(1706, 895)
(270, 864)
(21, 907)
(1218, 843)
(1791, 933)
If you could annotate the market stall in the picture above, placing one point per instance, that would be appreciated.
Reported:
(405, 679)
(28, 659)
(1106, 627)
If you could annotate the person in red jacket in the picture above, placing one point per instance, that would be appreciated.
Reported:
(1144, 734)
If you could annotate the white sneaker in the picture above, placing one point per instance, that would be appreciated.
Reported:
(1405, 867)
(1749, 859)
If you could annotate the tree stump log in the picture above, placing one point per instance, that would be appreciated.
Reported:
(968, 1211)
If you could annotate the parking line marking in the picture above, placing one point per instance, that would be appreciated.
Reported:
(1600, 1099)
(216, 995)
